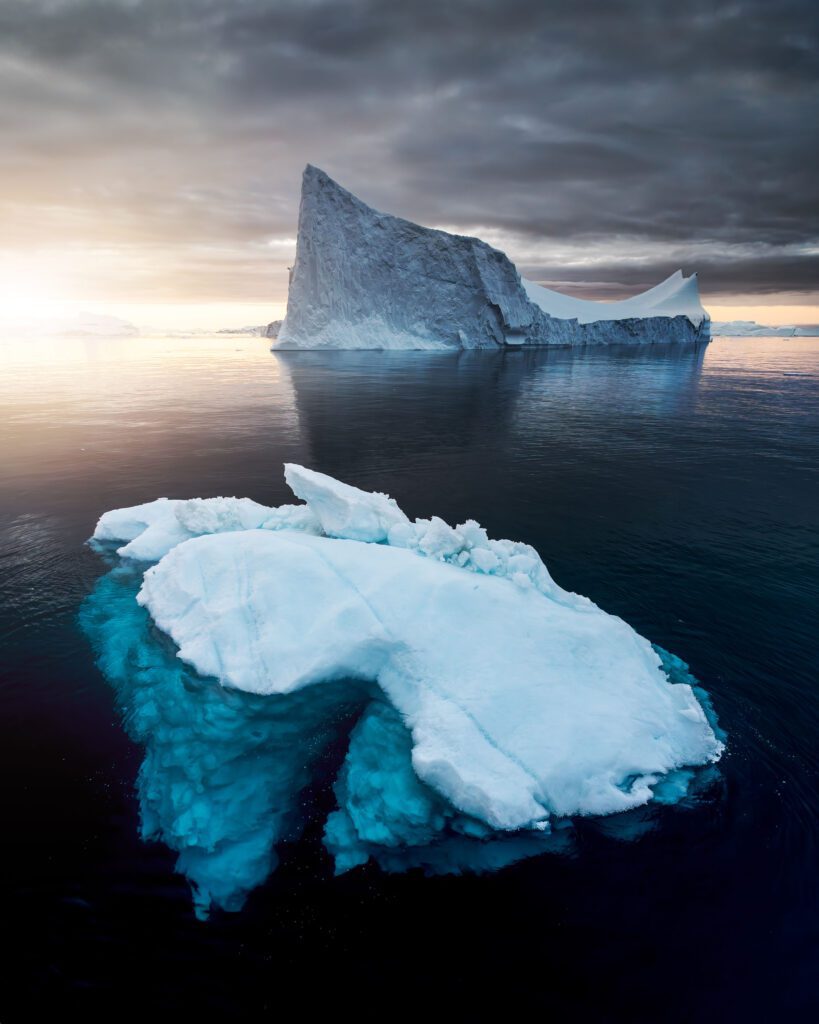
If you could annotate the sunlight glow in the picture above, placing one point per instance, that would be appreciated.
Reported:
(30, 290)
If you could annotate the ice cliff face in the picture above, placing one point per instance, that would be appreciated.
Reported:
(364, 279)
(481, 706)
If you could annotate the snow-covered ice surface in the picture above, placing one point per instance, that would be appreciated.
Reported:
(149, 531)
(676, 296)
(490, 706)
(367, 280)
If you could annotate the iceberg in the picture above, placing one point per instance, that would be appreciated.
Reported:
(97, 324)
(751, 329)
(83, 324)
(477, 708)
(367, 280)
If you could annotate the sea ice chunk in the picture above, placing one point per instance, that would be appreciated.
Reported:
(342, 510)
(490, 700)
(519, 706)
(152, 529)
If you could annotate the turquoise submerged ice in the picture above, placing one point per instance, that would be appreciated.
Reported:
(481, 707)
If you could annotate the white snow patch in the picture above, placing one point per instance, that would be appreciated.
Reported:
(152, 529)
(676, 296)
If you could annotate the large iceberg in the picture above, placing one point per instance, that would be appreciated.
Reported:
(367, 280)
(490, 706)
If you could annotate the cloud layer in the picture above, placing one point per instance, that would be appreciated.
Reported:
(157, 146)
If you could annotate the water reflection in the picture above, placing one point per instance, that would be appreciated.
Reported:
(431, 402)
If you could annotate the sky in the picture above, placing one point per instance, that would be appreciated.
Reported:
(153, 149)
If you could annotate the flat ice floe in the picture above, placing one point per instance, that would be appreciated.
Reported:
(491, 702)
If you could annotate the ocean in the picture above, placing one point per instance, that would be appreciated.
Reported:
(678, 487)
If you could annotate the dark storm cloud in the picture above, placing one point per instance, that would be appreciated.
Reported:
(595, 140)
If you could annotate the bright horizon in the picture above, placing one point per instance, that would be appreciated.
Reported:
(218, 316)
(226, 315)
(26, 303)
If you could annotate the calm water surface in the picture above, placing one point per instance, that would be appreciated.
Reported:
(679, 488)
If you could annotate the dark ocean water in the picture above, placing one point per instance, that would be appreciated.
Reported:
(678, 488)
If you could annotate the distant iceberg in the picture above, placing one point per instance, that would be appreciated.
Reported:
(491, 707)
(99, 325)
(751, 329)
(77, 325)
(367, 280)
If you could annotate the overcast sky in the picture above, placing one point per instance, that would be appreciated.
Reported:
(152, 149)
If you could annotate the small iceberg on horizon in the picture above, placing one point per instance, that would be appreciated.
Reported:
(465, 708)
